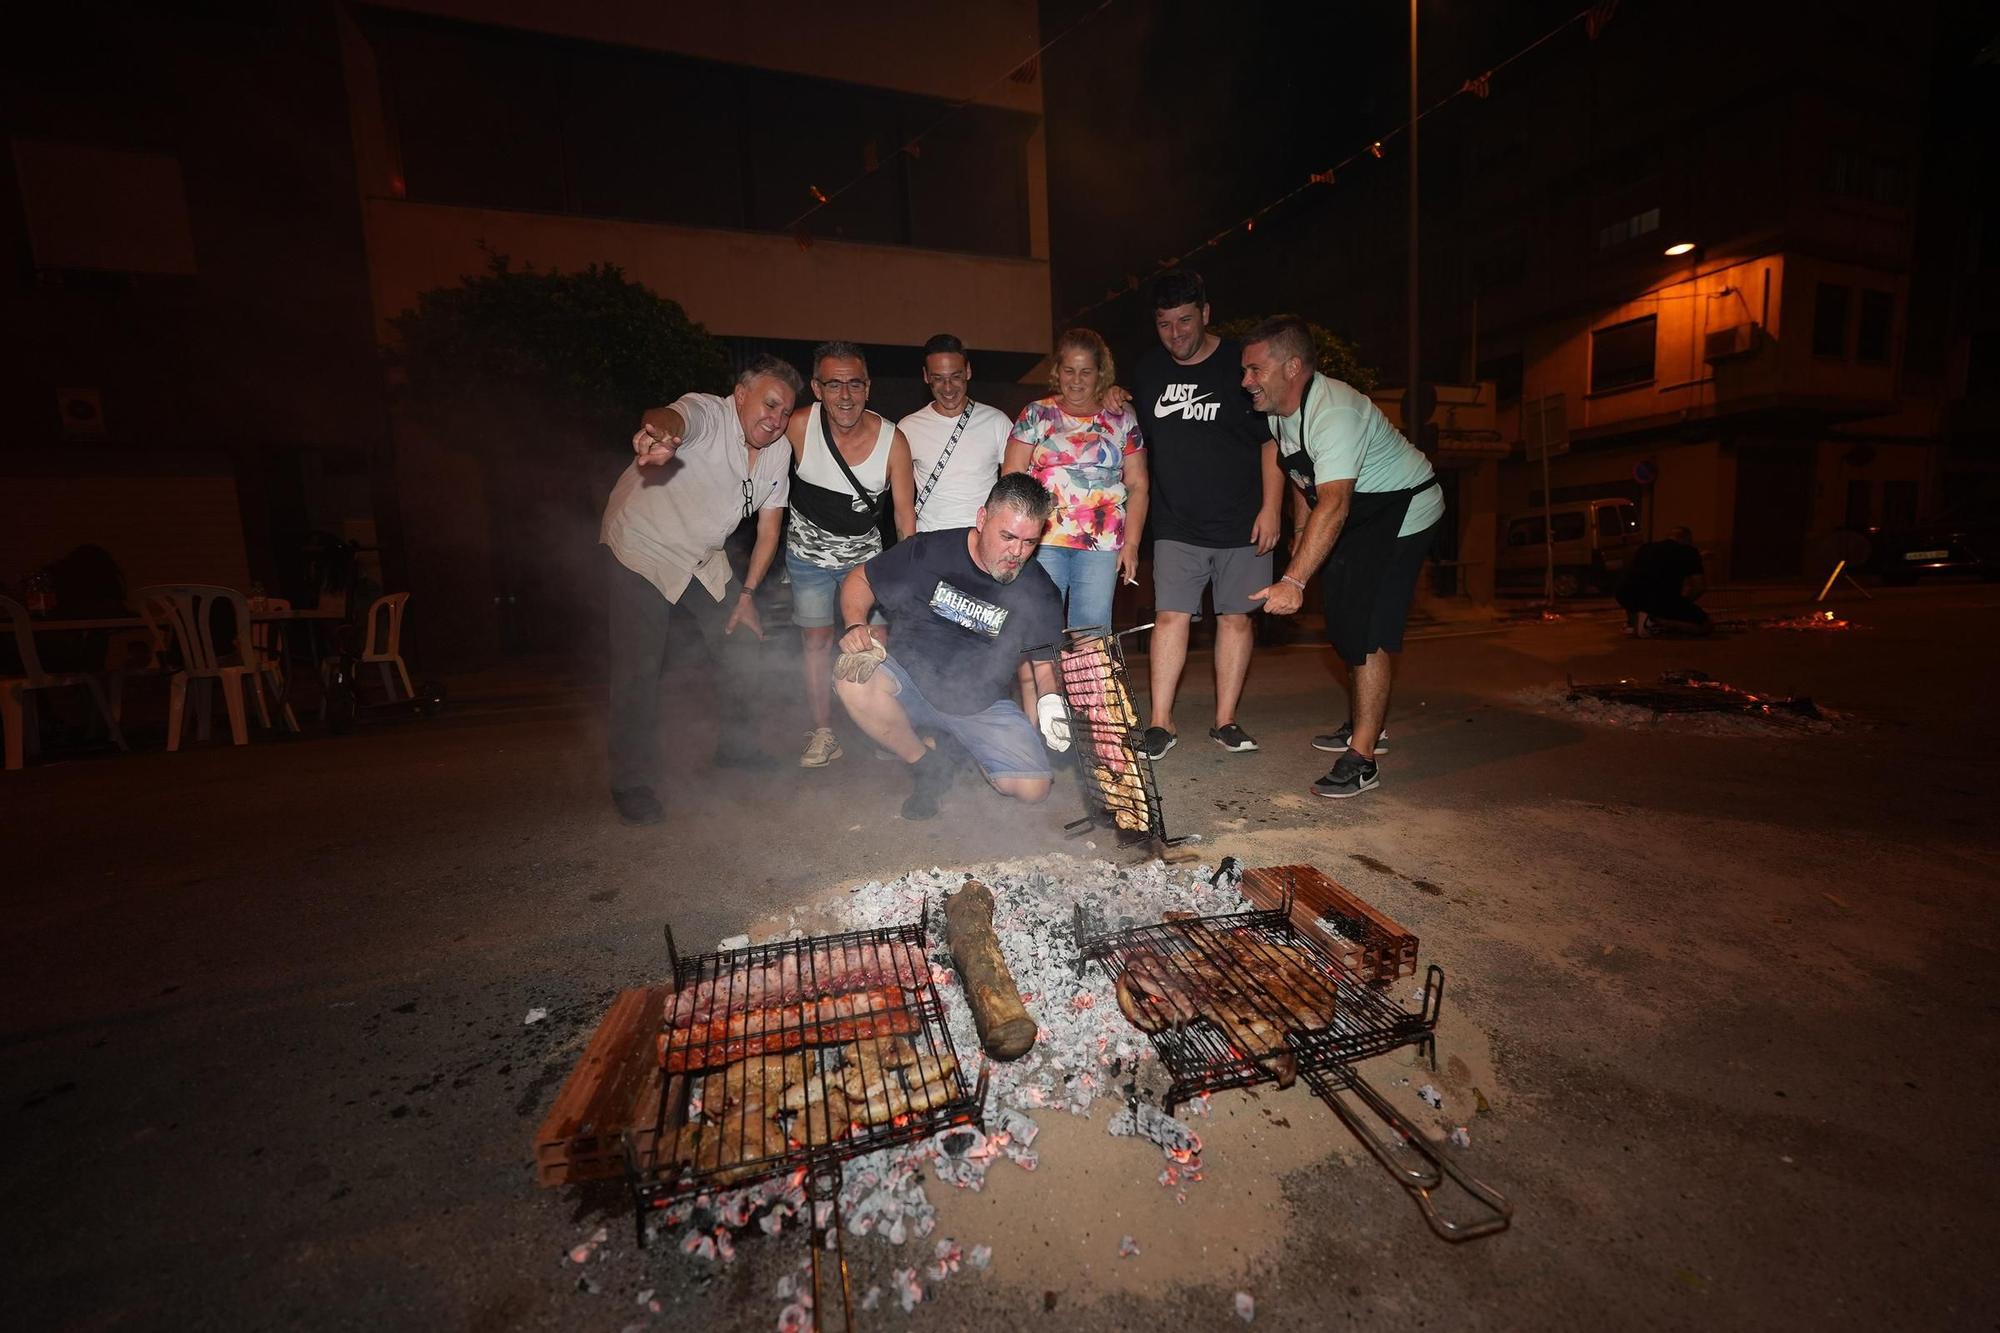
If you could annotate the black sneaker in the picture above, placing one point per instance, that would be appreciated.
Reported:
(1351, 776)
(1338, 741)
(1232, 738)
(638, 805)
(932, 777)
(1156, 742)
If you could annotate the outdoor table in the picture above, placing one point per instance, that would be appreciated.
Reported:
(310, 616)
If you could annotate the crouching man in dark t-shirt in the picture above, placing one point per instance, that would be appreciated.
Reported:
(1660, 586)
(965, 606)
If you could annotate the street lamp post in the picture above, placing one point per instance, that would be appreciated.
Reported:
(1413, 399)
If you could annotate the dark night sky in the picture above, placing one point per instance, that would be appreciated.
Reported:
(1169, 120)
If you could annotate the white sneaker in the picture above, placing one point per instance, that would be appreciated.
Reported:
(821, 749)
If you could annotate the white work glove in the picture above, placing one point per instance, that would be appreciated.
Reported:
(1054, 719)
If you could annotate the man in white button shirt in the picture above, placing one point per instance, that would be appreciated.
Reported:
(955, 444)
(702, 467)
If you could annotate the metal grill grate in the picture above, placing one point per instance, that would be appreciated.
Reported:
(1230, 1001)
(1118, 782)
(794, 1057)
(1697, 692)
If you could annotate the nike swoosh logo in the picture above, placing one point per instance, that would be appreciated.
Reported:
(1163, 408)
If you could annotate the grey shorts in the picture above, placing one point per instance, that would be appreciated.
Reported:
(1181, 571)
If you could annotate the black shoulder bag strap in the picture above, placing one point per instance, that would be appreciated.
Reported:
(937, 468)
(863, 502)
(1302, 474)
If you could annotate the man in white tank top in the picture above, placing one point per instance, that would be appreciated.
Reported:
(848, 464)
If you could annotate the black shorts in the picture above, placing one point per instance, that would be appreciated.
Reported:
(1361, 620)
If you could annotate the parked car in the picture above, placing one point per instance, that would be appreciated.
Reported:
(1965, 544)
(1593, 540)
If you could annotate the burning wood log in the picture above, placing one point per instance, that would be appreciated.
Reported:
(1006, 1028)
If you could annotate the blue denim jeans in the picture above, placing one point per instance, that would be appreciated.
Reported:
(1086, 579)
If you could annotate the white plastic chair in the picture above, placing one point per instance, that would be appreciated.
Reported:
(17, 711)
(383, 642)
(189, 608)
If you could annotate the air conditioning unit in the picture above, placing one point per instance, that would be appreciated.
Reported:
(1736, 340)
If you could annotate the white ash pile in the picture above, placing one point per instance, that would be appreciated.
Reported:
(1085, 1052)
(1085, 1049)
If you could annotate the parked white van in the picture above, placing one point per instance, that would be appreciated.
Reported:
(1593, 540)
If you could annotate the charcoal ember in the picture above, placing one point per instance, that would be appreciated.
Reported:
(1246, 1306)
(794, 1318)
(909, 1289)
(962, 1172)
(1127, 1247)
(980, 1256)
(959, 1142)
(872, 1298)
(1017, 1127)
(1149, 1122)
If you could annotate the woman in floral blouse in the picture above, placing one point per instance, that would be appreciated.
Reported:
(1091, 458)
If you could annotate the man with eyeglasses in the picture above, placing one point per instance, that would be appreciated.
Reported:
(701, 467)
(847, 464)
(956, 445)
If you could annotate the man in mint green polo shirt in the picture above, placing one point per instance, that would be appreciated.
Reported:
(1369, 505)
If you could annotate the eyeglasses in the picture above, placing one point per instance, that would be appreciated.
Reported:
(749, 498)
(835, 386)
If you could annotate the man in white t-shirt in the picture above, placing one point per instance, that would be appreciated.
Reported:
(955, 444)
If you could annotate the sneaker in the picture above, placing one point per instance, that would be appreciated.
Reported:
(1156, 742)
(1642, 628)
(638, 805)
(1233, 739)
(1351, 776)
(931, 777)
(821, 749)
(1338, 741)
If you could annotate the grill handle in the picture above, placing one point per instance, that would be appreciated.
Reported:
(1495, 1212)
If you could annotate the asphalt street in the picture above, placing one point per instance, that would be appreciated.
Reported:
(1728, 996)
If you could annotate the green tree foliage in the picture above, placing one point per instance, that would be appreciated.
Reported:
(1338, 358)
(590, 347)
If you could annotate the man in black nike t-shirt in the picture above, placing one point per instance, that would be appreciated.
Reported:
(1216, 501)
(965, 606)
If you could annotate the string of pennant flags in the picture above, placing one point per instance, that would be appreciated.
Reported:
(1025, 71)
(1479, 86)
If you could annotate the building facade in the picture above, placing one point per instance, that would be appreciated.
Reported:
(219, 210)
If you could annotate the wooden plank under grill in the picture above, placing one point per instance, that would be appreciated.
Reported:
(616, 1085)
(1366, 940)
